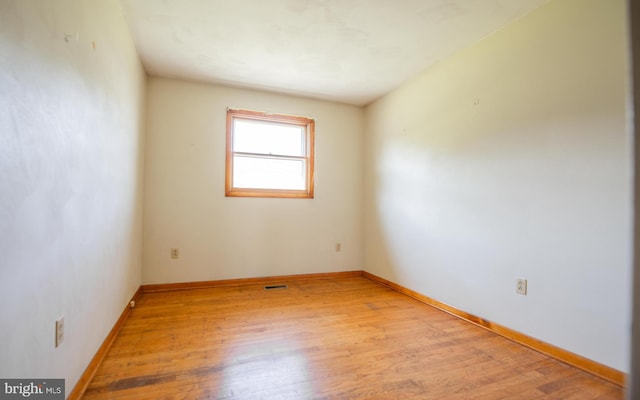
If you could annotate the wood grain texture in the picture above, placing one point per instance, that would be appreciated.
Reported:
(96, 361)
(331, 338)
(603, 371)
(161, 287)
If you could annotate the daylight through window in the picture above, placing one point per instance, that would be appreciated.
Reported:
(269, 155)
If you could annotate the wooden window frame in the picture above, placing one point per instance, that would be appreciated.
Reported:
(307, 123)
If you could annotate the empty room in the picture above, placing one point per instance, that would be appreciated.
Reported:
(316, 199)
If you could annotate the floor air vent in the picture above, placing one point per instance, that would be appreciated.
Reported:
(274, 287)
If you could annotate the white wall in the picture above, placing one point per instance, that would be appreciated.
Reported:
(633, 380)
(511, 159)
(71, 142)
(220, 237)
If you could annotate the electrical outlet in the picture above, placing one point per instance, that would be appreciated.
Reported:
(175, 253)
(338, 247)
(521, 286)
(59, 331)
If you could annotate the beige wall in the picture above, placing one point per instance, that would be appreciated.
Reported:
(220, 237)
(512, 160)
(633, 382)
(71, 142)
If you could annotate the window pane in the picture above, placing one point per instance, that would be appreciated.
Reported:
(268, 138)
(268, 173)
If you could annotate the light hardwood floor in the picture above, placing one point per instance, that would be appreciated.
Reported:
(342, 338)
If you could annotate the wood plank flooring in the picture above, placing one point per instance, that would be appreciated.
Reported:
(343, 338)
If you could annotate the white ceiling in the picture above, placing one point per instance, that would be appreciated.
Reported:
(351, 51)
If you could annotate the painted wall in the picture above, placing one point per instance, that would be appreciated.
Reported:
(633, 381)
(512, 160)
(71, 142)
(219, 237)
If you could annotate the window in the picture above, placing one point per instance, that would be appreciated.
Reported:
(269, 155)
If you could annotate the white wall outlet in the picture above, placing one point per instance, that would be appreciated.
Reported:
(175, 253)
(338, 247)
(521, 286)
(59, 331)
